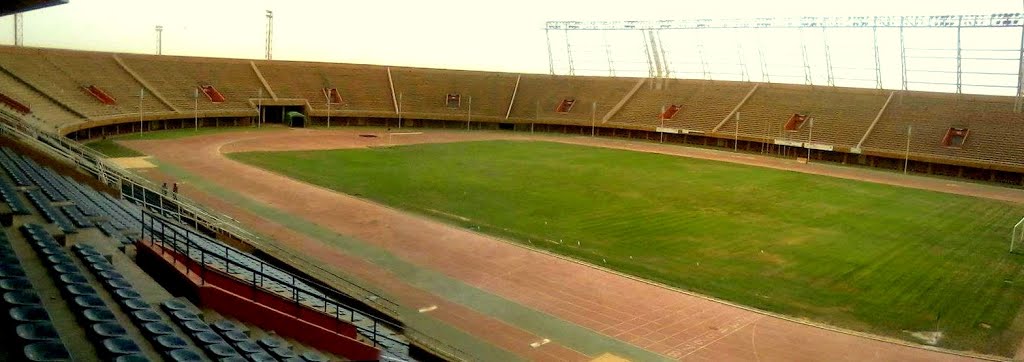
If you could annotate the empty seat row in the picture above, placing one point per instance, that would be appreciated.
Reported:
(25, 318)
(50, 213)
(219, 336)
(10, 196)
(106, 333)
(7, 157)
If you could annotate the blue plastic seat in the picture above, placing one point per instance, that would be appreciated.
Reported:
(261, 357)
(35, 332)
(109, 330)
(134, 304)
(88, 301)
(170, 342)
(283, 352)
(11, 271)
(185, 315)
(127, 294)
(236, 336)
(220, 350)
(225, 325)
(207, 337)
(184, 355)
(311, 356)
(157, 328)
(110, 274)
(21, 297)
(115, 283)
(72, 278)
(46, 351)
(29, 314)
(249, 347)
(273, 342)
(13, 284)
(196, 327)
(66, 269)
(146, 316)
(58, 259)
(75, 290)
(120, 346)
(99, 315)
(173, 305)
(138, 357)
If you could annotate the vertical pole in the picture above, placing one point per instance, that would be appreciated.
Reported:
(568, 50)
(607, 54)
(270, 32)
(906, 156)
(551, 59)
(903, 54)
(329, 112)
(959, 73)
(1020, 75)
(828, 58)
(810, 133)
(399, 110)
(141, 126)
(736, 136)
(195, 96)
(661, 49)
(764, 63)
(159, 40)
(647, 51)
(878, 61)
(593, 118)
(469, 113)
(259, 108)
(662, 117)
(536, 116)
(19, 29)
(803, 53)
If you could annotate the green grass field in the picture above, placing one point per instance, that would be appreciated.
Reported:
(869, 257)
(112, 149)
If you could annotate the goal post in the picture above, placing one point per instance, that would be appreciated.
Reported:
(1017, 237)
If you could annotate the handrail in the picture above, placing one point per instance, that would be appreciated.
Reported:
(179, 239)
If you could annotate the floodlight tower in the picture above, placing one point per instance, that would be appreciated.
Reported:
(159, 39)
(19, 29)
(270, 31)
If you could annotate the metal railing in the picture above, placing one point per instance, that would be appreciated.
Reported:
(165, 233)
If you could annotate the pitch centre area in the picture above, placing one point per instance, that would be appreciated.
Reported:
(889, 260)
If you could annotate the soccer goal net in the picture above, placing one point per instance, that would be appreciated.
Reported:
(1018, 235)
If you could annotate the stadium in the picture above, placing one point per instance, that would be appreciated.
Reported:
(193, 208)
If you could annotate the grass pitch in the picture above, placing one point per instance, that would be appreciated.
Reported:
(876, 258)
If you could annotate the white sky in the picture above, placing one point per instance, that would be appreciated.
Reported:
(460, 34)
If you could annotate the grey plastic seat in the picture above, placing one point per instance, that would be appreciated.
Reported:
(132, 358)
(249, 347)
(11, 271)
(99, 315)
(283, 352)
(66, 268)
(184, 355)
(196, 327)
(58, 259)
(29, 314)
(79, 290)
(34, 332)
(157, 328)
(88, 301)
(21, 297)
(12, 284)
(225, 325)
(127, 294)
(273, 342)
(146, 316)
(170, 342)
(94, 259)
(120, 346)
(220, 350)
(110, 274)
(134, 304)
(72, 278)
(185, 315)
(207, 337)
(46, 351)
(109, 330)
(175, 305)
(261, 357)
(236, 336)
(311, 356)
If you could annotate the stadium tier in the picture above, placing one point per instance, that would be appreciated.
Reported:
(89, 94)
(85, 276)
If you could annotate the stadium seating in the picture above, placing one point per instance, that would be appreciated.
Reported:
(177, 79)
(539, 96)
(365, 90)
(703, 104)
(424, 93)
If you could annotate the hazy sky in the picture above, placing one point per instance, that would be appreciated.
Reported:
(461, 34)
